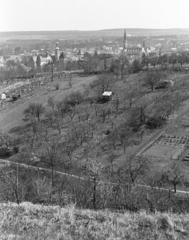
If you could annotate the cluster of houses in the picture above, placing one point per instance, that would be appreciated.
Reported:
(33, 60)
(39, 59)
(46, 54)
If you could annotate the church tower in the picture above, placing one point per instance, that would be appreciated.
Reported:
(125, 41)
(144, 49)
(57, 52)
(160, 51)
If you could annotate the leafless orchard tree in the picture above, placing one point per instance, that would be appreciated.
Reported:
(51, 152)
(120, 66)
(133, 169)
(105, 82)
(13, 183)
(151, 78)
(94, 169)
(174, 172)
(132, 94)
(34, 111)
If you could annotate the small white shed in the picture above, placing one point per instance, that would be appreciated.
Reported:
(107, 96)
(3, 96)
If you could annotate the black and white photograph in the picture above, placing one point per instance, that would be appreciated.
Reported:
(94, 120)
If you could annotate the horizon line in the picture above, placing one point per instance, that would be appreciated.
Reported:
(108, 29)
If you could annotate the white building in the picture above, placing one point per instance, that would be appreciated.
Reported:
(3, 96)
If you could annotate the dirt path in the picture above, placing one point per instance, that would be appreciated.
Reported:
(4, 163)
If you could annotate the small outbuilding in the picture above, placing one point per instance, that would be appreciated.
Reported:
(15, 97)
(107, 96)
(3, 96)
(165, 84)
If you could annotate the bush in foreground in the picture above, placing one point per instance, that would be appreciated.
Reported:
(28, 221)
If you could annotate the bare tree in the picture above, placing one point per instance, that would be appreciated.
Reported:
(94, 169)
(173, 59)
(138, 114)
(153, 61)
(14, 183)
(163, 60)
(90, 62)
(56, 114)
(125, 136)
(151, 78)
(133, 169)
(83, 112)
(103, 112)
(145, 61)
(175, 173)
(34, 111)
(132, 93)
(7, 74)
(105, 82)
(105, 57)
(121, 66)
(69, 79)
(51, 152)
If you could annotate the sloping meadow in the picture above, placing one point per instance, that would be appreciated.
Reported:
(28, 221)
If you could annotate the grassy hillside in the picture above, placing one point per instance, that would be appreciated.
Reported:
(14, 116)
(28, 221)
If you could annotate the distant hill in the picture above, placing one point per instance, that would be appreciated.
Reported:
(104, 32)
(147, 32)
(29, 221)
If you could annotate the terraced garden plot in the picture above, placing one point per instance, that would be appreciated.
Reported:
(162, 151)
(177, 141)
(186, 156)
(168, 146)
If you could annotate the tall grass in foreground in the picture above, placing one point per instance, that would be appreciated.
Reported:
(28, 221)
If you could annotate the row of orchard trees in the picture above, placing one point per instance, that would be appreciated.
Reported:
(64, 135)
(9, 73)
(69, 130)
(119, 65)
(165, 60)
(102, 187)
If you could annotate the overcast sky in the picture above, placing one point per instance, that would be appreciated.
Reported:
(31, 15)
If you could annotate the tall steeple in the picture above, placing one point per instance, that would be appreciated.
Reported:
(144, 48)
(124, 40)
(160, 51)
(57, 52)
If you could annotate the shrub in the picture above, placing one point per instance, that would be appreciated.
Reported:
(34, 110)
(4, 152)
(177, 69)
(57, 86)
(74, 98)
(155, 122)
(135, 67)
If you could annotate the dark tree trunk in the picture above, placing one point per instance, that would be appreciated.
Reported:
(94, 193)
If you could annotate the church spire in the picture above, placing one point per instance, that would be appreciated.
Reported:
(124, 40)
(57, 52)
(160, 51)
